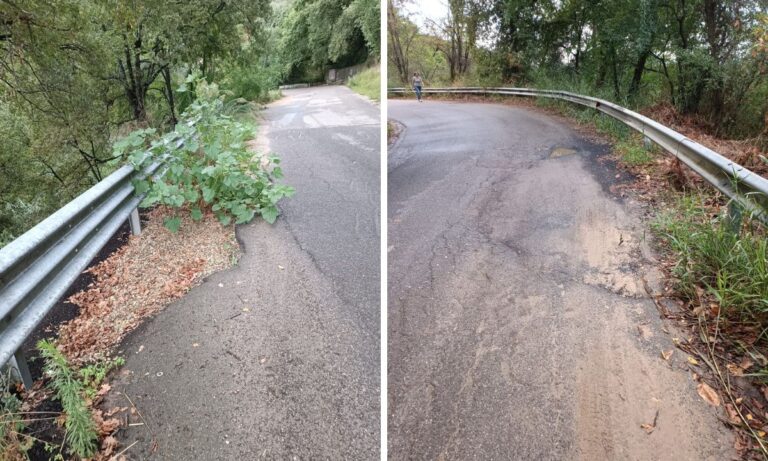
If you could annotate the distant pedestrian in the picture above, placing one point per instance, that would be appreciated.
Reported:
(417, 83)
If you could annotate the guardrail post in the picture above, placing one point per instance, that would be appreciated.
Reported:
(734, 217)
(647, 143)
(133, 219)
(19, 363)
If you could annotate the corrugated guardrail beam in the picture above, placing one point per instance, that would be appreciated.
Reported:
(748, 189)
(37, 268)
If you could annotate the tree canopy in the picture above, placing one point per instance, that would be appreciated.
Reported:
(76, 75)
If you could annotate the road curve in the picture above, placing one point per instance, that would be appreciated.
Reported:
(518, 323)
(286, 357)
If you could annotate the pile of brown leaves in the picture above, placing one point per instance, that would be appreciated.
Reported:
(141, 278)
(744, 152)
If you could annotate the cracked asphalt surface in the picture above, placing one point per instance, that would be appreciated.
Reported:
(519, 326)
(287, 363)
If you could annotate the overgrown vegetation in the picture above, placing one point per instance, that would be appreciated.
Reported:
(367, 83)
(77, 75)
(208, 164)
(726, 259)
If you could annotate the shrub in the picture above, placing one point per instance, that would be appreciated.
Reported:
(253, 83)
(207, 164)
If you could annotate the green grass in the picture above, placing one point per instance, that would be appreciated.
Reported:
(633, 152)
(367, 83)
(730, 266)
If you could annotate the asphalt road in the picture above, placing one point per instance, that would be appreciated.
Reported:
(519, 327)
(278, 358)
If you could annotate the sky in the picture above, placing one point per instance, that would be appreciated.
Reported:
(421, 11)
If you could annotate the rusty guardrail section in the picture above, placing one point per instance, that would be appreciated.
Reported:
(38, 267)
(744, 187)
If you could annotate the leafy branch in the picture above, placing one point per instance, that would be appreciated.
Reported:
(207, 164)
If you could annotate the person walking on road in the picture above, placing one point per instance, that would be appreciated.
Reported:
(417, 83)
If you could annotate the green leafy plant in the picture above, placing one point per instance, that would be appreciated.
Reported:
(93, 375)
(207, 164)
(81, 435)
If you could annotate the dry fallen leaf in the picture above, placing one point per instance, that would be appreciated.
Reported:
(708, 394)
(739, 444)
(105, 388)
(693, 361)
(648, 427)
(734, 369)
(109, 445)
(666, 355)
(733, 415)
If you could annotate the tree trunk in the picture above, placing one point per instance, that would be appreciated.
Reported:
(637, 76)
(400, 59)
(169, 94)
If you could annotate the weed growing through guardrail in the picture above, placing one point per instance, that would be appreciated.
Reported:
(207, 164)
(81, 432)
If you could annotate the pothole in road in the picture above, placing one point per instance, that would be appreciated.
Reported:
(561, 152)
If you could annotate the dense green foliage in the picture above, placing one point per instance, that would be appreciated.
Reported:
(706, 57)
(77, 75)
(208, 164)
(319, 34)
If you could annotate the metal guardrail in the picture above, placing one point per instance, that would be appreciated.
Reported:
(37, 268)
(748, 189)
